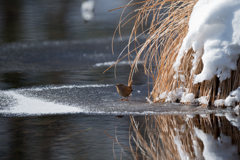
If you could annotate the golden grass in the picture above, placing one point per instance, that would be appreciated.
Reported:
(168, 27)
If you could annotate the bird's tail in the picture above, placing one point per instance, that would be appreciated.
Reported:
(130, 84)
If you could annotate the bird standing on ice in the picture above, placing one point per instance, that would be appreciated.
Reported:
(124, 91)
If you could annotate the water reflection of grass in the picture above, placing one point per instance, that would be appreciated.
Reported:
(185, 137)
(74, 134)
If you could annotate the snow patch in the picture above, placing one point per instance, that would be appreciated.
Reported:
(112, 62)
(34, 106)
(172, 96)
(233, 97)
(65, 86)
(188, 98)
(190, 115)
(214, 29)
(87, 8)
(203, 100)
(219, 102)
(149, 101)
(204, 115)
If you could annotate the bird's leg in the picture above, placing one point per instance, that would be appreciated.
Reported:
(126, 99)
(121, 99)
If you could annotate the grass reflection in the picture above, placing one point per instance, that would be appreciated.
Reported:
(186, 137)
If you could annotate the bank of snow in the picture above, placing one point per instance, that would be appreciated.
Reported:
(214, 30)
(213, 34)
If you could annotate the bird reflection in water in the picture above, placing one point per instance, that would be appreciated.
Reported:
(124, 91)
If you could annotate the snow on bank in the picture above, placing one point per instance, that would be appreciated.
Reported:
(233, 97)
(185, 97)
(214, 30)
(172, 96)
(182, 95)
(188, 98)
(214, 35)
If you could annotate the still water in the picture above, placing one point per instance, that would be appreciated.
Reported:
(24, 20)
(55, 102)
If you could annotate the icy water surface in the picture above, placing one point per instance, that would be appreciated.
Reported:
(90, 99)
(67, 110)
(55, 102)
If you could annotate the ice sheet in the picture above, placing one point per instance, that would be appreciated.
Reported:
(90, 99)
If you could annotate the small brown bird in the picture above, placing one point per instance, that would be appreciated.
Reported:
(124, 90)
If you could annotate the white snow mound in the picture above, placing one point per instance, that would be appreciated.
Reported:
(214, 30)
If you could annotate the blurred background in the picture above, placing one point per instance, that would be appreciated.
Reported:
(61, 42)
(68, 42)
(40, 20)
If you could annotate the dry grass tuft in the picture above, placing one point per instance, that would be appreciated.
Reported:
(168, 27)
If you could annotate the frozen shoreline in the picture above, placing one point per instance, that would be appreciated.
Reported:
(100, 99)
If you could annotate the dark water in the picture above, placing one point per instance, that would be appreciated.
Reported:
(51, 44)
(24, 20)
(66, 62)
(62, 137)
(55, 102)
